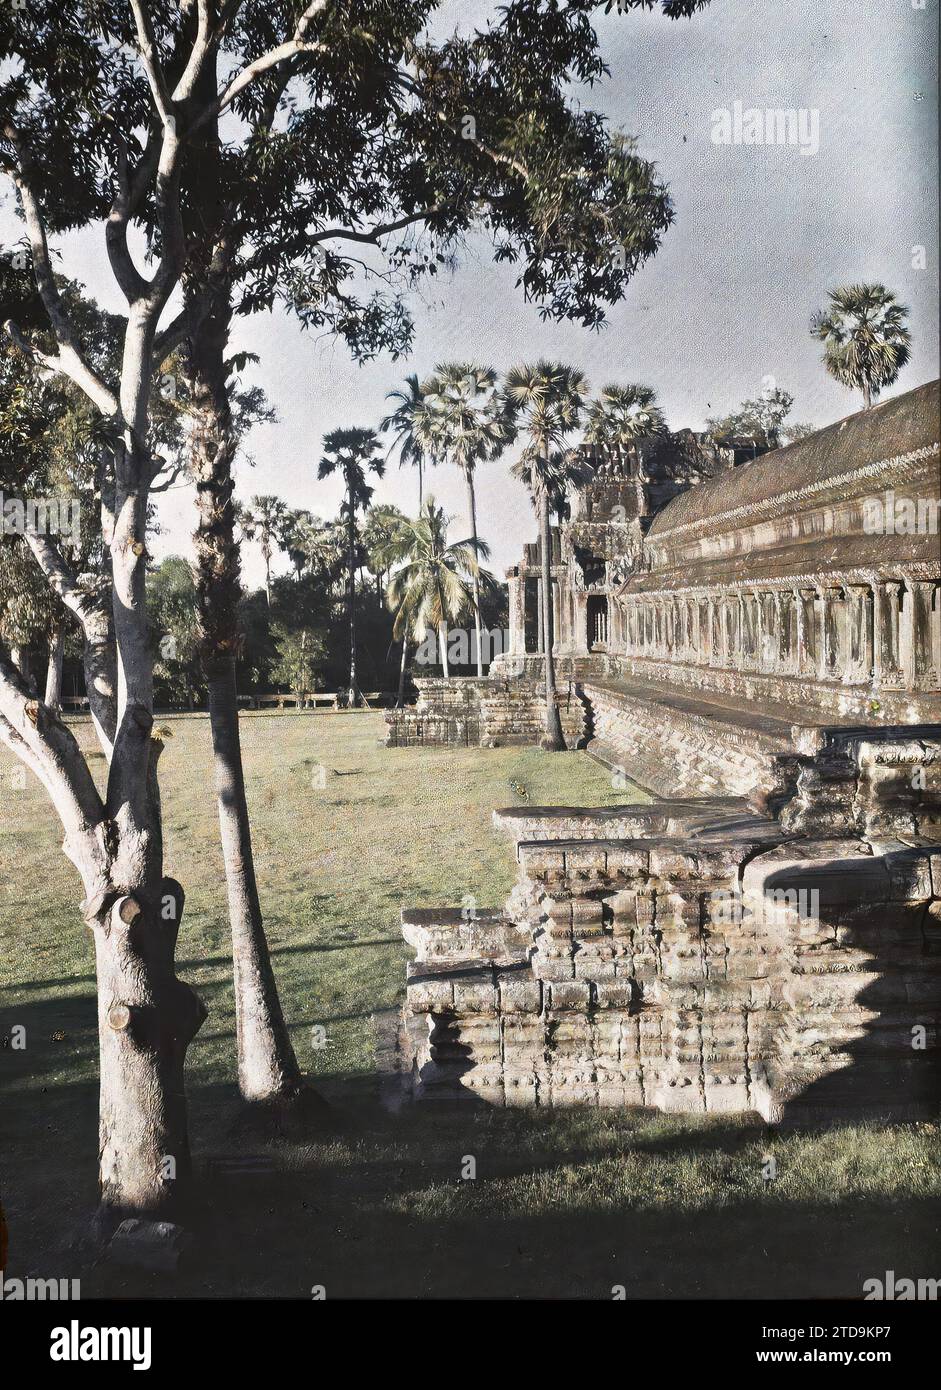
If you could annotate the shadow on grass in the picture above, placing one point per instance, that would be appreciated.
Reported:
(301, 949)
(564, 1204)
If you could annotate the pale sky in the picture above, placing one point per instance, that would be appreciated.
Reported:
(761, 233)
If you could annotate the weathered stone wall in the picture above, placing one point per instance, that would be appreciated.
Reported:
(695, 956)
(493, 713)
(675, 748)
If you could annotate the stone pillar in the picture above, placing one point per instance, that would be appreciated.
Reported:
(793, 607)
(859, 656)
(517, 600)
(806, 632)
(782, 619)
(725, 633)
(926, 620)
(766, 634)
(753, 626)
(742, 628)
(907, 635)
(734, 632)
(888, 671)
(832, 646)
(705, 630)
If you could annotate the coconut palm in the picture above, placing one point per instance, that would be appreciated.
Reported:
(412, 428)
(548, 398)
(433, 587)
(622, 414)
(354, 454)
(472, 422)
(865, 337)
(264, 521)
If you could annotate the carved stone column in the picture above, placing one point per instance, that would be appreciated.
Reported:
(729, 645)
(742, 625)
(782, 611)
(516, 615)
(926, 618)
(766, 637)
(887, 635)
(806, 632)
(859, 662)
(833, 646)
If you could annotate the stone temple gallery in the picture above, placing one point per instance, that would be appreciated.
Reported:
(753, 639)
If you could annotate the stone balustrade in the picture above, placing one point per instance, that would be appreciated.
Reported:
(882, 635)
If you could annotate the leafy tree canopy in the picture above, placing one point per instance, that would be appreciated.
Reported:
(375, 131)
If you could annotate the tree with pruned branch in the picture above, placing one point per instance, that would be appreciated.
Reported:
(259, 147)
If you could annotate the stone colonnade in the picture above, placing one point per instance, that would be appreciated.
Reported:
(565, 613)
(885, 631)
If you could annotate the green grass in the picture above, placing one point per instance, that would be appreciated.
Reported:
(562, 1204)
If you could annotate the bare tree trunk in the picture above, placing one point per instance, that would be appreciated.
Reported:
(267, 1065)
(554, 741)
(443, 641)
(472, 504)
(147, 1018)
(53, 696)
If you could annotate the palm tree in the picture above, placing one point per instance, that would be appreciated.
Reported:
(382, 523)
(866, 341)
(472, 423)
(264, 520)
(411, 426)
(622, 414)
(313, 544)
(354, 453)
(434, 586)
(548, 398)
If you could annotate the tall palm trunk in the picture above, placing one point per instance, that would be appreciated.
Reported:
(554, 740)
(443, 643)
(267, 555)
(267, 1066)
(351, 565)
(867, 395)
(472, 504)
(401, 698)
(53, 696)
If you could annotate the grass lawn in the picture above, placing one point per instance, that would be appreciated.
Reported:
(346, 832)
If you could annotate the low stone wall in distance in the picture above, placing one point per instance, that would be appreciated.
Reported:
(469, 712)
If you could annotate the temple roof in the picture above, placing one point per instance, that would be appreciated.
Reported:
(900, 427)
